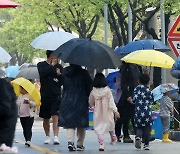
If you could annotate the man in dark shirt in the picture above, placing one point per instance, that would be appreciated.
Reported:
(50, 79)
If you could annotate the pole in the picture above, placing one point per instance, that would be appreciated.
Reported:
(106, 29)
(129, 23)
(163, 71)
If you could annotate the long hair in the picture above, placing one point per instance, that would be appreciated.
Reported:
(99, 80)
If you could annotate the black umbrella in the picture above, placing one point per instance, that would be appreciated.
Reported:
(89, 53)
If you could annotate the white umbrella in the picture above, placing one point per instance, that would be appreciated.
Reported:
(51, 40)
(4, 56)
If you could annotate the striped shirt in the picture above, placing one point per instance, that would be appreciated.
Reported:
(165, 106)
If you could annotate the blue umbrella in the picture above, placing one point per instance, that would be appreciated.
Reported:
(110, 79)
(159, 90)
(12, 71)
(144, 44)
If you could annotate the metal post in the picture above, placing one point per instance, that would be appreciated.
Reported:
(163, 71)
(129, 23)
(106, 29)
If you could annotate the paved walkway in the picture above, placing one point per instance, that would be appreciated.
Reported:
(91, 144)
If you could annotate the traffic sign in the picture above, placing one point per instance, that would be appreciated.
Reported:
(175, 45)
(175, 30)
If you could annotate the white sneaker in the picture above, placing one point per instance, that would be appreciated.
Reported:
(47, 140)
(56, 140)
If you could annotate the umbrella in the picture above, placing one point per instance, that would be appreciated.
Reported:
(149, 58)
(29, 87)
(30, 73)
(51, 40)
(12, 71)
(2, 74)
(88, 53)
(8, 4)
(159, 90)
(110, 79)
(4, 56)
(144, 45)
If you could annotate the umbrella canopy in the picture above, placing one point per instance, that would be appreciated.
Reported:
(51, 40)
(2, 73)
(30, 73)
(12, 71)
(159, 90)
(4, 56)
(89, 53)
(29, 87)
(144, 45)
(110, 79)
(149, 58)
(8, 4)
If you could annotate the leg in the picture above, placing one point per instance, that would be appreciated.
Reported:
(70, 136)
(118, 126)
(166, 124)
(55, 125)
(23, 124)
(46, 126)
(101, 142)
(113, 137)
(138, 137)
(29, 124)
(146, 134)
(80, 135)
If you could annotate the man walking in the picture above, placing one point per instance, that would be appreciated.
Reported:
(50, 79)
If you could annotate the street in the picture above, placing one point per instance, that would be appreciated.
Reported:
(91, 144)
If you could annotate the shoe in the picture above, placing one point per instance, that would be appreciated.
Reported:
(28, 143)
(146, 147)
(127, 140)
(113, 140)
(101, 147)
(56, 140)
(80, 148)
(138, 143)
(71, 146)
(47, 140)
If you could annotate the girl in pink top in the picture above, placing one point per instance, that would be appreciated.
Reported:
(104, 110)
(27, 109)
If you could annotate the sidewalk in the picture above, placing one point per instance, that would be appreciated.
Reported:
(91, 144)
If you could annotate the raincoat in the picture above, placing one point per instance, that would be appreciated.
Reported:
(175, 71)
(74, 108)
(102, 100)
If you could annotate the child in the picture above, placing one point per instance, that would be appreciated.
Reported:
(27, 109)
(166, 108)
(104, 109)
(142, 97)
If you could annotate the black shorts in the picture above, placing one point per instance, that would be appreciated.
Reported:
(49, 107)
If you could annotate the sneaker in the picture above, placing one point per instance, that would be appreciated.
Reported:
(146, 147)
(47, 140)
(56, 140)
(127, 140)
(71, 146)
(28, 143)
(80, 148)
(138, 143)
(101, 147)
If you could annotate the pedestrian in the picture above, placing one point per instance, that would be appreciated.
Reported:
(27, 111)
(102, 100)
(127, 80)
(142, 98)
(50, 80)
(74, 108)
(8, 116)
(166, 109)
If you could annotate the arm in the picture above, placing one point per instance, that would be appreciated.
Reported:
(91, 100)
(45, 70)
(112, 104)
